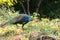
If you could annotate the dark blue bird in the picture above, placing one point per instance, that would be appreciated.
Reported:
(21, 19)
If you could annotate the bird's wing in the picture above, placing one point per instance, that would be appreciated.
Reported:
(19, 17)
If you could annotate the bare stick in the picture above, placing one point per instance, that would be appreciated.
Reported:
(39, 3)
(23, 7)
(28, 7)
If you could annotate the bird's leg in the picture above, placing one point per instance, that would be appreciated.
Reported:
(22, 26)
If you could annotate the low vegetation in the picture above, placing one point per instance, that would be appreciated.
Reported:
(44, 26)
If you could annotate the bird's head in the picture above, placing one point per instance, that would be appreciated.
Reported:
(31, 18)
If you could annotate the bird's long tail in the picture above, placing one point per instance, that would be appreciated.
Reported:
(9, 21)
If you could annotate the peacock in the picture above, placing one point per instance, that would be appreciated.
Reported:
(21, 19)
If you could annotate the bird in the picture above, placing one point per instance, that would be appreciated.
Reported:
(21, 19)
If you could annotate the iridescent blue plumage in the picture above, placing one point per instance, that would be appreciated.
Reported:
(23, 18)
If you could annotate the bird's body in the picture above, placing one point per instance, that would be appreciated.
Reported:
(21, 19)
